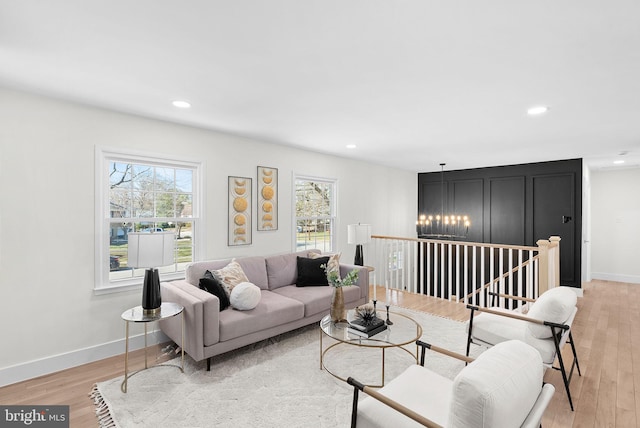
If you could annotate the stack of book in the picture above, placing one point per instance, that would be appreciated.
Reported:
(359, 327)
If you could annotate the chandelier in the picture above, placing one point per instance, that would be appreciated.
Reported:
(442, 226)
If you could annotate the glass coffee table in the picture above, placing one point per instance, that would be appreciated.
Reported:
(404, 331)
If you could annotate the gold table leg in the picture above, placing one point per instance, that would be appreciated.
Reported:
(123, 387)
(182, 345)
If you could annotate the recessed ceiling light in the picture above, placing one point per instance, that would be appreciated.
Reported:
(351, 146)
(181, 104)
(618, 162)
(537, 110)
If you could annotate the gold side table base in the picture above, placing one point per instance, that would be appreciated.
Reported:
(140, 315)
(323, 353)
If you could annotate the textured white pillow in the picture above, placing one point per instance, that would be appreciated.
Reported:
(245, 296)
(230, 276)
(498, 389)
(554, 305)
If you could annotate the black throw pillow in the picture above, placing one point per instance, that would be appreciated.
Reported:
(310, 273)
(211, 284)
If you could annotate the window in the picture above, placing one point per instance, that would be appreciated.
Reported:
(143, 194)
(315, 213)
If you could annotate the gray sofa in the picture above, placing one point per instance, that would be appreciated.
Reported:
(283, 306)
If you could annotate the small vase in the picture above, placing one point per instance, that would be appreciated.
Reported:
(337, 311)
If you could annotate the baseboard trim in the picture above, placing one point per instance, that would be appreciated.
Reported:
(56, 363)
(633, 279)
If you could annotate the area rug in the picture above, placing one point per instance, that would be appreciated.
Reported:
(273, 383)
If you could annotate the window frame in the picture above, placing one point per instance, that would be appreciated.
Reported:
(333, 217)
(103, 156)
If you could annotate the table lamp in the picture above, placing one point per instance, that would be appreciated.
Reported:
(150, 250)
(359, 234)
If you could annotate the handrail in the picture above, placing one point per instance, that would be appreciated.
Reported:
(464, 271)
(501, 277)
(468, 244)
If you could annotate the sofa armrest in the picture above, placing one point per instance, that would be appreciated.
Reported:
(363, 278)
(201, 317)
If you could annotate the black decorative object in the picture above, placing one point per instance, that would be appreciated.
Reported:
(151, 299)
(359, 234)
(365, 315)
(389, 322)
(366, 322)
(359, 258)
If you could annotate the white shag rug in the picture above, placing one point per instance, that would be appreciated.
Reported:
(273, 383)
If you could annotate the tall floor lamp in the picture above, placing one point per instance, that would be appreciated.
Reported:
(150, 250)
(359, 234)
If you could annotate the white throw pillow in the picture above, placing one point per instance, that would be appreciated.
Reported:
(554, 305)
(245, 296)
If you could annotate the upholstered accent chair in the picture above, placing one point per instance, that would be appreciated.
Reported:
(502, 388)
(546, 326)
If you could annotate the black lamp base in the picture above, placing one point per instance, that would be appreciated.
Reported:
(359, 260)
(151, 300)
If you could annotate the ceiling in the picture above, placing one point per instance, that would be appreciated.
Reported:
(412, 83)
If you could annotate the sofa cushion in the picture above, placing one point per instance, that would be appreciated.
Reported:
(212, 285)
(494, 329)
(245, 296)
(311, 272)
(498, 389)
(273, 310)
(282, 269)
(317, 299)
(554, 305)
(255, 269)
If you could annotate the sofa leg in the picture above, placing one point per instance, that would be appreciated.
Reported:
(209, 364)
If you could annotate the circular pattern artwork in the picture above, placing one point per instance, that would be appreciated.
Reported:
(239, 211)
(267, 216)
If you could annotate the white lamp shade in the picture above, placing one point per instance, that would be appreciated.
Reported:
(150, 250)
(358, 234)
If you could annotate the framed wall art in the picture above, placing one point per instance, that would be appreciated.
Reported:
(239, 211)
(267, 209)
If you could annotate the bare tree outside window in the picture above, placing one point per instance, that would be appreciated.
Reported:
(315, 216)
(149, 198)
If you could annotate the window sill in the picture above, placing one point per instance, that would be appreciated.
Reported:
(131, 284)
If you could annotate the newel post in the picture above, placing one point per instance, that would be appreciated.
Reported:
(555, 244)
(543, 266)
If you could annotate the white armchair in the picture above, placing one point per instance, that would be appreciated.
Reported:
(546, 326)
(502, 388)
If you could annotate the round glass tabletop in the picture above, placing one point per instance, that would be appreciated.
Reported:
(403, 331)
(167, 310)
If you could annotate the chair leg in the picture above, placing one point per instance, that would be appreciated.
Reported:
(354, 408)
(469, 333)
(562, 369)
(209, 364)
(575, 355)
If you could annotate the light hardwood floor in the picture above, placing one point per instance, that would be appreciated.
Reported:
(608, 348)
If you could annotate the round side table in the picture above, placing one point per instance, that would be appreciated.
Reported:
(137, 315)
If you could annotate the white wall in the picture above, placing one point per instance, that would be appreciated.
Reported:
(50, 316)
(586, 223)
(615, 225)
